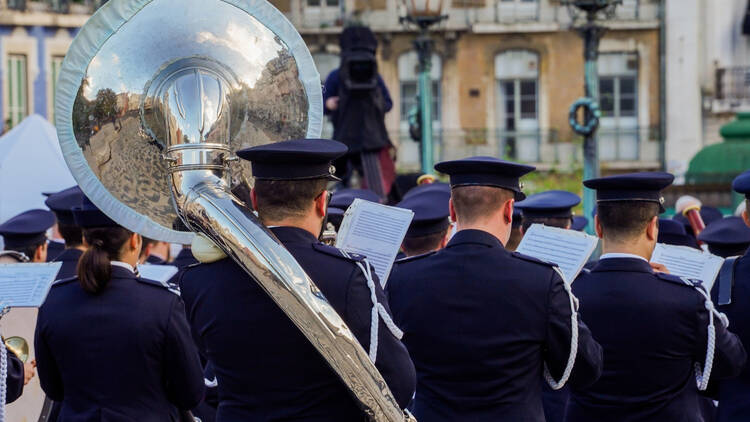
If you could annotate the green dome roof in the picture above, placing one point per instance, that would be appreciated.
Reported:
(722, 162)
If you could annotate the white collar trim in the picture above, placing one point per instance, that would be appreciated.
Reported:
(622, 255)
(123, 265)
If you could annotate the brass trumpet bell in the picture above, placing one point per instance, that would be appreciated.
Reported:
(19, 346)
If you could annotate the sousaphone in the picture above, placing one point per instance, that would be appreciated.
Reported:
(153, 100)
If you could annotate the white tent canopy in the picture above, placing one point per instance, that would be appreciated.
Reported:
(30, 163)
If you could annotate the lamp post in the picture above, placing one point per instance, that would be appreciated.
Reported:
(591, 34)
(423, 14)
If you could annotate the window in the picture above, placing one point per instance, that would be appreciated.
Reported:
(509, 11)
(321, 13)
(326, 63)
(17, 89)
(618, 99)
(408, 73)
(55, 66)
(517, 104)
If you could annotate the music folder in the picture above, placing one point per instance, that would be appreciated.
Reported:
(160, 273)
(568, 249)
(375, 231)
(25, 285)
(684, 261)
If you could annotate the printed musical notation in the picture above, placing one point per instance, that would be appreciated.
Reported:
(26, 285)
(688, 262)
(375, 231)
(567, 248)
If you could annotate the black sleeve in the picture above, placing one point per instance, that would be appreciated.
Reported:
(184, 375)
(588, 363)
(46, 367)
(729, 353)
(392, 359)
(14, 382)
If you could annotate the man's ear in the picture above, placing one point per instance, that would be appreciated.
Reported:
(452, 211)
(598, 226)
(745, 217)
(136, 243)
(40, 253)
(254, 199)
(321, 204)
(508, 211)
(652, 229)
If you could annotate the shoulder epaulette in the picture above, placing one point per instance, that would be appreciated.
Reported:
(415, 257)
(683, 281)
(338, 253)
(62, 281)
(532, 259)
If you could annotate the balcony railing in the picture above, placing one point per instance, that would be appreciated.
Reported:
(54, 6)
(636, 147)
(732, 89)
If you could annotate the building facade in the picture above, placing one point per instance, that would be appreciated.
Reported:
(708, 73)
(505, 73)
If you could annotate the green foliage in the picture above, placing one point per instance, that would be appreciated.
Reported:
(540, 181)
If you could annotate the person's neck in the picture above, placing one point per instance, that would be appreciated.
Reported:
(500, 231)
(79, 247)
(309, 224)
(639, 247)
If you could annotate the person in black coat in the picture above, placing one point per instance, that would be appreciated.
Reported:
(15, 379)
(731, 291)
(654, 327)
(265, 368)
(482, 323)
(61, 203)
(126, 352)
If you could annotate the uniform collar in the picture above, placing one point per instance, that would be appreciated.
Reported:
(623, 264)
(288, 234)
(479, 237)
(125, 265)
(622, 255)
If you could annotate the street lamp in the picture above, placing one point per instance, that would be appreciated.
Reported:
(423, 14)
(591, 34)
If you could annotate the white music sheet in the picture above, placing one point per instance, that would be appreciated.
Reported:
(375, 231)
(26, 285)
(569, 249)
(688, 262)
(160, 273)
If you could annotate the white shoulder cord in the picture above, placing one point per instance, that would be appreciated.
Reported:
(3, 371)
(556, 385)
(703, 376)
(377, 309)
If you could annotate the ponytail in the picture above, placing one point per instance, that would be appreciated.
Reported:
(95, 266)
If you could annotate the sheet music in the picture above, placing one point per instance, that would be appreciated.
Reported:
(688, 262)
(375, 231)
(160, 273)
(26, 285)
(569, 249)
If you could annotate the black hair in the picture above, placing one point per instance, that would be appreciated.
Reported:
(280, 199)
(71, 234)
(560, 222)
(422, 244)
(95, 267)
(622, 220)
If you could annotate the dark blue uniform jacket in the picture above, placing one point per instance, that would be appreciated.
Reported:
(266, 369)
(734, 394)
(653, 328)
(54, 249)
(69, 258)
(479, 322)
(123, 355)
(14, 381)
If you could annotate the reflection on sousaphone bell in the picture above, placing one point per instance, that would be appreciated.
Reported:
(19, 346)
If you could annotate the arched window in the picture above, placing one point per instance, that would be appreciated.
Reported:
(408, 75)
(326, 63)
(517, 104)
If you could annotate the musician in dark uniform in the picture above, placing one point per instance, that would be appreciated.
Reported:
(429, 227)
(112, 346)
(265, 368)
(579, 223)
(25, 236)
(482, 323)
(731, 292)
(654, 327)
(552, 208)
(726, 237)
(61, 203)
(672, 232)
